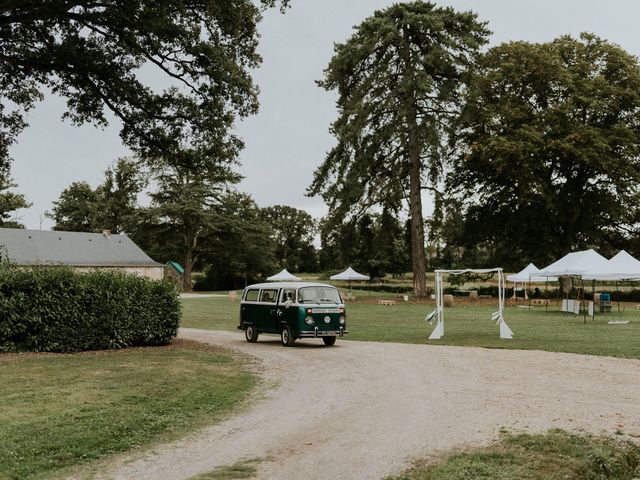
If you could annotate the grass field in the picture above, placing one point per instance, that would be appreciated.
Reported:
(470, 326)
(60, 411)
(553, 456)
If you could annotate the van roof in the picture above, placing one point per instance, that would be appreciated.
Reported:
(288, 285)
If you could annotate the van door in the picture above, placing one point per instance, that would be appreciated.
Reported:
(287, 311)
(249, 310)
(269, 310)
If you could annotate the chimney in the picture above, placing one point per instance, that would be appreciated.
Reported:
(106, 233)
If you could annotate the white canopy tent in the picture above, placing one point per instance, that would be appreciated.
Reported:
(622, 266)
(349, 275)
(283, 276)
(577, 264)
(530, 274)
(438, 313)
(590, 265)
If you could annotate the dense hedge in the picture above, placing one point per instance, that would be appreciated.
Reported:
(58, 310)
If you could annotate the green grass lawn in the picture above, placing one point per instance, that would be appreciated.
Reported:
(470, 326)
(553, 456)
(60, 411)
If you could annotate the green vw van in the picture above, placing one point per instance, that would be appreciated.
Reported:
(293, 310)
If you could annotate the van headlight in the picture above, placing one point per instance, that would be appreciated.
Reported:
(342, 320)
(309, 321)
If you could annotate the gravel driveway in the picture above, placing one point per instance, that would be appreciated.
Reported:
(364, 410)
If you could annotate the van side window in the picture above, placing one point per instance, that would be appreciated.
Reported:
(269, 296)
(251, 296)
(288, 294)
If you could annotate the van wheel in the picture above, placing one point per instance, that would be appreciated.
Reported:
(328, 341)
(251, 334)
(286, 337)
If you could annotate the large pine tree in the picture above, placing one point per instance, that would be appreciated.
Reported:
(399, 79)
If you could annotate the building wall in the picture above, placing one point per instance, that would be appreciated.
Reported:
(153, 273)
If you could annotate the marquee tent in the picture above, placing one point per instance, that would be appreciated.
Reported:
(283, 276)
(349, 275)
(528, 274)
(590, 265)
(585, 264)
(622, 266)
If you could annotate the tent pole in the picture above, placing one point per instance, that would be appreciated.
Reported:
(593, 291)
(584, 300)
(618, 295)
(546, 300)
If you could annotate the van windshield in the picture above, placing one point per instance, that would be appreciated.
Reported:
(319, 295)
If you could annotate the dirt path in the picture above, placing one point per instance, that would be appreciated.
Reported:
(363, 410)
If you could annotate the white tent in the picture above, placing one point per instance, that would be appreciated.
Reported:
(529, 274)
(622, 266)
(283, 276)
(349, 275)
(585, 264)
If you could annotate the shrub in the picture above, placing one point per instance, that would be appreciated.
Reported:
(200, 282)
(55, 309)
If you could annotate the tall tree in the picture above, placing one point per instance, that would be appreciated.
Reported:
(390, 248)
(237, 245)
(551, 149)
(399, 80)
(117, 196)
(293, 234)
(186, 199)
(75, 210)
(374, 243)
(111, 206)
(93, 52)
(10, 201)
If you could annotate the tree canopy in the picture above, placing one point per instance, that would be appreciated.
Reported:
(100, 56)
(293, 231)
(550, 158)
(399, 79)
(10, 201)
(75, 209)
(186, 202)
(111, 206)
(238, 246)
(374, 243)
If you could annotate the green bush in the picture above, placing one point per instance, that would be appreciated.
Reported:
(58, 310)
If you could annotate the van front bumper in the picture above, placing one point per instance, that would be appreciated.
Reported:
(323, 333)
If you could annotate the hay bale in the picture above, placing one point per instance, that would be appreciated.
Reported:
(473, 295)
(448, 300)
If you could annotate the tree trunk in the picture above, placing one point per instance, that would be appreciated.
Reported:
(417, 230)
(415, 183)
(186, 276)
(415, 207)
(189, 248)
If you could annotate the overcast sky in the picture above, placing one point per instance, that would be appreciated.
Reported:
(289, 137)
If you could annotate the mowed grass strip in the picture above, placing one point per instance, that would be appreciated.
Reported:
(555, 455)
(533, 329)
(241, 470)
(60, 411)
